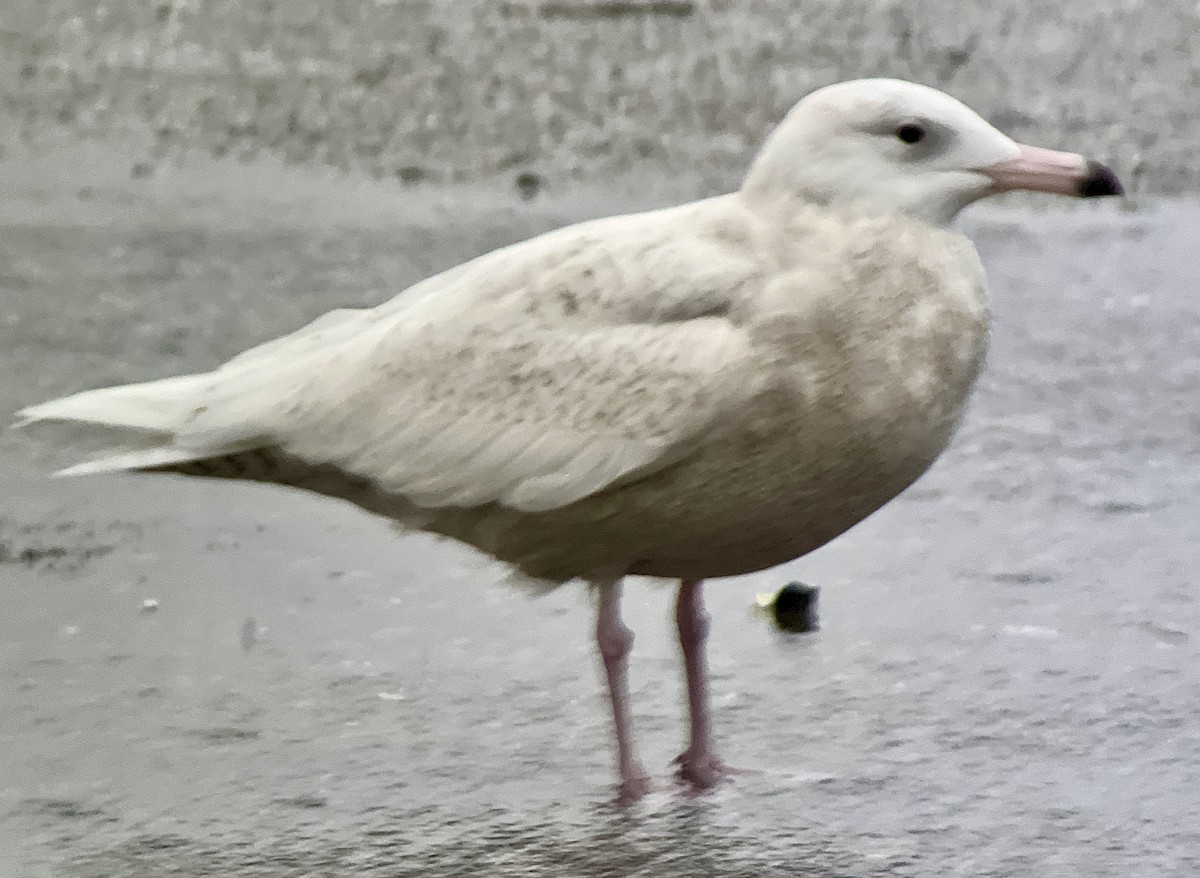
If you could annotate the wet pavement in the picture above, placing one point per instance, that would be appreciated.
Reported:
(204, 679)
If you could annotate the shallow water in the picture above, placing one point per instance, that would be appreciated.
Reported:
(1004, 684)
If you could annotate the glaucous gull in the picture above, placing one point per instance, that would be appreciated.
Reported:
(701, 391)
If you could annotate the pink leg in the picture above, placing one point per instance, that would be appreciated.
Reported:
(615, 640)
(698, 764)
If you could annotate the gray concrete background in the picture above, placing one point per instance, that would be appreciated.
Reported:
(584, 89)
(1005, 681)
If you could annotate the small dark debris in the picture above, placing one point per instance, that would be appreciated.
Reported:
(222, 734)
(31, 556)
(307, 800)
(161, 842)
(370, 77)
(349, 681)
(51, 557)
(795, 607)
(1023, 577)
(529, 185)
(410, 174)
(61, 808)
(956, 58)
(249, 634)
(1125, 507)
(610, 9)
(141, 170)
(61, 546)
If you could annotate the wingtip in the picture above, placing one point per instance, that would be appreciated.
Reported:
(79, 469)
(23, 419)
(33, 414)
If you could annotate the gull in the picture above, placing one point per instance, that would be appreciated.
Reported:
(700, 391)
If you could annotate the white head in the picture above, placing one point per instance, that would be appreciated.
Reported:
(894, 146)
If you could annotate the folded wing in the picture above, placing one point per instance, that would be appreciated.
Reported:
(532, 377)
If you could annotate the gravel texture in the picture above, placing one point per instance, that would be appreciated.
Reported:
(543, 93)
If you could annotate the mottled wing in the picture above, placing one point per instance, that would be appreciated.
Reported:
(533, 419)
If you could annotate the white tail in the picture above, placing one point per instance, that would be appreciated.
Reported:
(158, 411)
(194, 417)
(154, 406)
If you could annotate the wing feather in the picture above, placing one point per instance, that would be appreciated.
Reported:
(533, 420)
(531, 377)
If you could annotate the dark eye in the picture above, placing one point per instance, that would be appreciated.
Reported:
(910, 132)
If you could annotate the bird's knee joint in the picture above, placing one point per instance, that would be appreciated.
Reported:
(615, 643)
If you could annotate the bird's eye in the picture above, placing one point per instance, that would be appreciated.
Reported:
(910, 132)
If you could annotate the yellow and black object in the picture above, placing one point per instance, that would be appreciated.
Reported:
(794, 607)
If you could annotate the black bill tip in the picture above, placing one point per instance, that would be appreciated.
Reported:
(1100, 180)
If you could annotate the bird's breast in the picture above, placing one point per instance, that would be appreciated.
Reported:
(859, 398)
